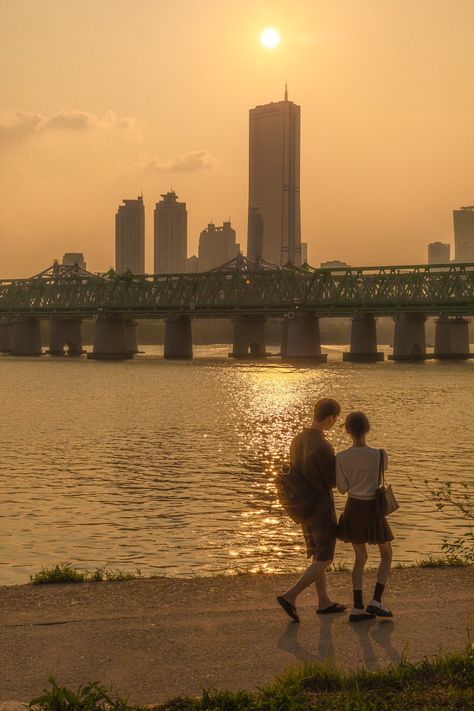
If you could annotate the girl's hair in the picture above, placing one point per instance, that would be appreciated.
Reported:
(357, 424)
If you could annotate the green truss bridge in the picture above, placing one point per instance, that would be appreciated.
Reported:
(248, 292)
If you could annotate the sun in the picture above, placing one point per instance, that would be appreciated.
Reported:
(270, 38)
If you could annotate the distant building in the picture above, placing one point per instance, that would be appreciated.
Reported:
(304, 253)
(274, 223)
(170, 235)
(192, 264)
(464, 234)
(217, 245)
(334, 264)
(72, 258)
(130, 237)
(438, 253)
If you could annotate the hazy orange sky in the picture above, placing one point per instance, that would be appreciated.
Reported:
(103, 99)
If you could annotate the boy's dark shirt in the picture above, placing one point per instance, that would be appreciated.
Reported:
(313, 456)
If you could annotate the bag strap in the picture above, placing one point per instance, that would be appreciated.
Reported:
(381, 468)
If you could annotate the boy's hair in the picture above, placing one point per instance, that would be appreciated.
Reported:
(357, 424)
(325, 408)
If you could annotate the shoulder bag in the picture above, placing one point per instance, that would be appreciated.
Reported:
(385, 501)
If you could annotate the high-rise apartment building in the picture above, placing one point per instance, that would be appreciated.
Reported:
(70, 259)
(170, 235)
(217, 245)
(464, 234)
(438, 253)
(130, 237)
(304, 253)
(274, 223)
(334, 264)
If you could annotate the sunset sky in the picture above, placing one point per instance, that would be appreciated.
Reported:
(103, 99)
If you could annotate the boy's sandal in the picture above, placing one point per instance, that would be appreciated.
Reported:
(288, 607)
(335, 607)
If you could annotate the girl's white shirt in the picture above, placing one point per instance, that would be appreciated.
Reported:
(357, 471)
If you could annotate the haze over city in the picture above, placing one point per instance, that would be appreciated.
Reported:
(101, 102)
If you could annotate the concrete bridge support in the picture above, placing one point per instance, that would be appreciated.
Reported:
(65, 332)
(5, 335)
(26, 337)
(178, 338)
(363, 340)
(131, 335)
(452, 338)
(248, 337)
(409, 341)
(110, 338)
(303, 342)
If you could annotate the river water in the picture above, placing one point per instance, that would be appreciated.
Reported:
(168, 466)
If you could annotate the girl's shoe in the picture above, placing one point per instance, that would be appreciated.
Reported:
(378, 609)
(358, 614)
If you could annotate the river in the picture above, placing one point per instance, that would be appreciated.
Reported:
(168, 466)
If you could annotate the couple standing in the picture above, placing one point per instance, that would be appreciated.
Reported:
(355, 471)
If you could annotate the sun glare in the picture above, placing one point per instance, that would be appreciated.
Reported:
(270, 38)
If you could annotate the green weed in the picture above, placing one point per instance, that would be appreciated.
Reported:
(444, 561)
(67, 573)
(434, 684)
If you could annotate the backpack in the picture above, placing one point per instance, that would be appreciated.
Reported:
(296, 497)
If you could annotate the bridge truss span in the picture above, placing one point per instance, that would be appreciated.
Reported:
(247, 289)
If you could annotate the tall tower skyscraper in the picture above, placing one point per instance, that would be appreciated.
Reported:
(170, 235)
(130, 237)
(464, 234)
(274, 222)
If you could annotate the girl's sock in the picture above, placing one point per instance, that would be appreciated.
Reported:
(358, 601)
(378, 592)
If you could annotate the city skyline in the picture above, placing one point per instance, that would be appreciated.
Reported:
(378, 180)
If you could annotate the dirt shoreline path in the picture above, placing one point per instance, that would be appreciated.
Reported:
(153, 639)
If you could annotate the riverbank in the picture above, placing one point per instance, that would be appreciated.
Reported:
(153, 639)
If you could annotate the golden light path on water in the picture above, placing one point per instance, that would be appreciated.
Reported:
(169, 467)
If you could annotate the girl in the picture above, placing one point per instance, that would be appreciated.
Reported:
(357, 473)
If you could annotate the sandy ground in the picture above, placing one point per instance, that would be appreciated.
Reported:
(152, 639)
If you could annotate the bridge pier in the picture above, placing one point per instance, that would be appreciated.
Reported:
(363, 340)
(409, 341)
(131, 335)
(178, 338)
(5, 335)
(110, 338)
(26, 336)
(248, 337)
(452, 338)
(65, 331)
(303, 341)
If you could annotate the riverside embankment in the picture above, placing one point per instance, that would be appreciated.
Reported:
(152, 639)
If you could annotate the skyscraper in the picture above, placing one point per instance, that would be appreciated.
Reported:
(170, 235)
(274, 224)
(130, 237)
(464, 234)
(438, 253)
(217, 245)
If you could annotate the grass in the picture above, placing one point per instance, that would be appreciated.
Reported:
(434, 684)
(67, 573)
(442, 561)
